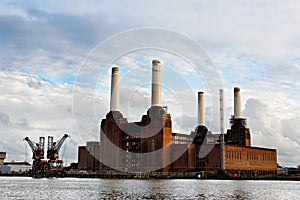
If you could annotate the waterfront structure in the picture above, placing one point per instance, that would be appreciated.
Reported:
(86, 156)
(15, 167)
(124, 141)
(40, 166)
(2, 157)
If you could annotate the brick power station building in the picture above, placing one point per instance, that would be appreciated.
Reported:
(150, 145)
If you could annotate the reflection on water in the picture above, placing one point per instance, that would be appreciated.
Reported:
(72, 188)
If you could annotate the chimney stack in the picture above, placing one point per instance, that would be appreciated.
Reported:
(201, 121)
(156, 95)
(237, 103)
(114, 95)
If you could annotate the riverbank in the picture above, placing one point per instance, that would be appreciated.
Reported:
(156, 176)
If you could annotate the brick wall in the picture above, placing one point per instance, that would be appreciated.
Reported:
(250, 158)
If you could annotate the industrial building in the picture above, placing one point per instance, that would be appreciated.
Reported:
(2, 157)
(13, 166)
(150, 145)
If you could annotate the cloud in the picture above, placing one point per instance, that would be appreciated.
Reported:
(267, 130)
(252, 28)
(291, 129)
(35, 107)
(184, 124)
(4, 118)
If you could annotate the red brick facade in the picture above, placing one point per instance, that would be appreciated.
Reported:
(238, 154)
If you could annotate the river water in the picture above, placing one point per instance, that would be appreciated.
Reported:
(74, 188)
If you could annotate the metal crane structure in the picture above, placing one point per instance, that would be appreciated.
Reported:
(46, 167)
(53, 150)
(37, 154)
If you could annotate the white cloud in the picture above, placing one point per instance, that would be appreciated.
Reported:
(34, 107)
(268, 130)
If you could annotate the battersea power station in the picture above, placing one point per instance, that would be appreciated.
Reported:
(150, 146)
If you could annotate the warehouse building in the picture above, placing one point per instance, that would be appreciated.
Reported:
(15, 167)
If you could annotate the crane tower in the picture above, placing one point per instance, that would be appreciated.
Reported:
(40, 166)
(53, 150)
(37, 154)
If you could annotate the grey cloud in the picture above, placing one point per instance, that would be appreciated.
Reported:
(291, 129)
(133, 104)
(270, 131)
(186, 123)
(35, 83)
(133, 98)
(4, 118)
(23, 123)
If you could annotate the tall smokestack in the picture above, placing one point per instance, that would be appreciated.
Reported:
(201, 121)
(156, 95)
(237, 103)
(114, 94)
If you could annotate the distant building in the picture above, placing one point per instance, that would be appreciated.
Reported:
(86, 157)
(2, 158)
(122, 144)
(18, 167)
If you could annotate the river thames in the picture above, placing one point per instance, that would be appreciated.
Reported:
(74, 188)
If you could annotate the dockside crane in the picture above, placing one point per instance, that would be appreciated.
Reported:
(53, 150)
(37, 154)
(51, 166)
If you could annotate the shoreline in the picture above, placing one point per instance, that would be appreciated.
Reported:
(110, 176)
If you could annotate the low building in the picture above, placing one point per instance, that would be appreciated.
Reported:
(87, 160)
(254, 161)
(15, 167)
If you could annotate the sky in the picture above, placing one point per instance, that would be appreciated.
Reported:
(56, 57)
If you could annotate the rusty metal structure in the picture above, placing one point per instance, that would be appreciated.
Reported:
(46, 167)
(37, 154)
(53, 150)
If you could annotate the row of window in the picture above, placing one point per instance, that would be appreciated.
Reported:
(237, 155)
(181, 138)
(252, 156)
(268, 157)
(234, 154)
(179, 142)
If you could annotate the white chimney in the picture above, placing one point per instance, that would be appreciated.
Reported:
(237, 103)
(156, 95)
(201, 120)
(114, 94)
